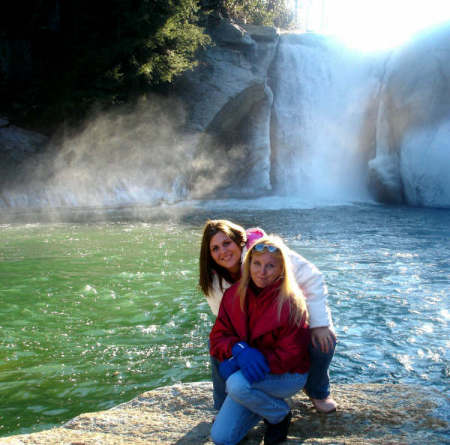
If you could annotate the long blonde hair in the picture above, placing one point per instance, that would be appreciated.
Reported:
(289, 290)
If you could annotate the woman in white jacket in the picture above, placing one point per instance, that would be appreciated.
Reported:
(224, 245)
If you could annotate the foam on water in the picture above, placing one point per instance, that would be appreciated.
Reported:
(270, 203)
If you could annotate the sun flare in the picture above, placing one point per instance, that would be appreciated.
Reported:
(369, 25)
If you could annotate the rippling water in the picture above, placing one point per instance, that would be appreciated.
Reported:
(93, 314)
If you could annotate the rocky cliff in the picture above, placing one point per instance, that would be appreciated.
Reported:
(182, 414)
(301, 115)
(16, 146)
(228, 101)
(262, 113)
(413, 125)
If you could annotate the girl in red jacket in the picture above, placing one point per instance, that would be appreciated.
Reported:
(261, 338)
(223, 248)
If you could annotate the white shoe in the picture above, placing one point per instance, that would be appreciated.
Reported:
(325, 406)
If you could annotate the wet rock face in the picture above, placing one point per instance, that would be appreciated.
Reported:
(413, 127)
(16, 143)
(382, 127)
(229, 104)
(237, 60)
(16, 146)
(367, 414)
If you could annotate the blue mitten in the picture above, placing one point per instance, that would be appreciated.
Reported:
(253, 364)
(228, 367)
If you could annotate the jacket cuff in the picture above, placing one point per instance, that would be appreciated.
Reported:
(238, 348)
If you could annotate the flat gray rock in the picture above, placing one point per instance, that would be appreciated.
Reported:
(182, 414)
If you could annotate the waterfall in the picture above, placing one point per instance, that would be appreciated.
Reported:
(298, 115)
(323, 132)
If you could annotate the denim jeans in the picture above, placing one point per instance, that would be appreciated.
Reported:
(317, 385)
(219, 392)
(246, 404)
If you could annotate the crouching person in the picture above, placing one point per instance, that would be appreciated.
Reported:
(261, 339)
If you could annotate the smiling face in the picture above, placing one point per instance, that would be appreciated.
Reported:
(265, 268)
(225, 252)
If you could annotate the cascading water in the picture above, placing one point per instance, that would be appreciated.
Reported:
(94, 314)
(325, 98)
(344, 127)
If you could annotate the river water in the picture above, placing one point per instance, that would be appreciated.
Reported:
(102, 306)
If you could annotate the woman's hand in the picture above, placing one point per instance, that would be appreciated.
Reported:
(323, 338)
(253, 364)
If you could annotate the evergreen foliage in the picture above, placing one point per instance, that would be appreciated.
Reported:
(101, 52)
(259, 12)
(59, 58)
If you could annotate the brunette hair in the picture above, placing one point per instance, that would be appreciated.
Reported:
(207, 265)
(288, 291)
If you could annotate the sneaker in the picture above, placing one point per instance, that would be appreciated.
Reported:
(277, 432)
(325, 406)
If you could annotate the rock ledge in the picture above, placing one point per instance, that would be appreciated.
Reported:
(182, 414)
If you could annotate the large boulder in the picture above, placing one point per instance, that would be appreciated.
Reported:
(17, 144)
(17, 148)
(413, 127)
(234, 63)
(228, 105)
(183, 413)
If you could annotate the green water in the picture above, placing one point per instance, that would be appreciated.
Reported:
(93, 314)
(89, 313)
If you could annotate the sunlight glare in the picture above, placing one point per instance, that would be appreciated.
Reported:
(369, 25)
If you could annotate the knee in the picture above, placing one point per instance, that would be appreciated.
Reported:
(218, 436)
(316, 352)
(221, 434)
(237, 386)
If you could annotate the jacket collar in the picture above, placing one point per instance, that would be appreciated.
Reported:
(264, 317)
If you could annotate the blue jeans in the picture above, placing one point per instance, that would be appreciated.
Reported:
(317, 385)
(246, 404)
(219, 392)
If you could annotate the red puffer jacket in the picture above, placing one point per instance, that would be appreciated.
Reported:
(284, 345)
